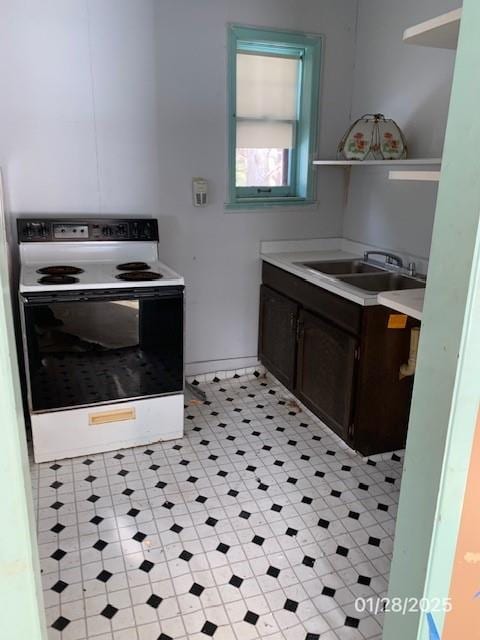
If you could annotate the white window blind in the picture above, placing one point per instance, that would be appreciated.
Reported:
(267, 96)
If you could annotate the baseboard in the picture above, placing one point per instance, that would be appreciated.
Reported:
(219, 366)
(224, 374)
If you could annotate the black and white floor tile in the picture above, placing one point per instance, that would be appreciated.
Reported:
(260, 523)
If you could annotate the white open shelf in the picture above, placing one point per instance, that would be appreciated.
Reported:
(416, 176)
(377, 163)
(440, 32)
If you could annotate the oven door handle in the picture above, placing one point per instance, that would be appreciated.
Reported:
(91, 296)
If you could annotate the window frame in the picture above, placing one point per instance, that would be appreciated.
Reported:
(273, 42)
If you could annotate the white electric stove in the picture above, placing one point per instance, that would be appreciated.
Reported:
(102, 323)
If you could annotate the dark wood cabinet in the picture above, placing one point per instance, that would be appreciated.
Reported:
(326, 366)
(340, 359)
(277, 335)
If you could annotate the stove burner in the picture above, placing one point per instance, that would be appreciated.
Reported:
(58, 279)
(60, 270)
(139, 276)
(133, 266)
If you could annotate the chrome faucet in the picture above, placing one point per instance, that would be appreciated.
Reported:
(412, 269)
(390, 258)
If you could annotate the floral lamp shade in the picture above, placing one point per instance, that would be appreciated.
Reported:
(373, 137)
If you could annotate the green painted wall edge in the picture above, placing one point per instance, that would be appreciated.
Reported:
(445, 393)
(20, 589)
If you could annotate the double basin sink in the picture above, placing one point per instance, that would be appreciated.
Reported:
(365, 276)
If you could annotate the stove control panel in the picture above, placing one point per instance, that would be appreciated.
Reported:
(87, 229)
(70, 231)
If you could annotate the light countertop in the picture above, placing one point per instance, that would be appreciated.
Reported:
(409, 302)
(288, 262)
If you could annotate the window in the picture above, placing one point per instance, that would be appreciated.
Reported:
(273, 112)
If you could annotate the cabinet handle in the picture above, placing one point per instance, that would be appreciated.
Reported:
(293, 318)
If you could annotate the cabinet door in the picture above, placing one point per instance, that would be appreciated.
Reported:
(277, 335)
(325, 371)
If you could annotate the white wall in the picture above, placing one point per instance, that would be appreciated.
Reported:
(412, 85)
(112, 106)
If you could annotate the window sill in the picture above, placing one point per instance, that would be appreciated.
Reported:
(248, 204)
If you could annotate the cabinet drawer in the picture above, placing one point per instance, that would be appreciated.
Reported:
(341, 312)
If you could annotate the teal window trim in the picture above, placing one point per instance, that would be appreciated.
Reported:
(307, 48)
(252, 204)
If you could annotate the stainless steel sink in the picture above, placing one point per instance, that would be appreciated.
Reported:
(385, 281)
(342, 267)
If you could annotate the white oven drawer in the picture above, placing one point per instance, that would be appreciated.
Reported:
(88, 430)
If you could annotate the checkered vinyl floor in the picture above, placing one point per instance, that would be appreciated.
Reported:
(260, 523)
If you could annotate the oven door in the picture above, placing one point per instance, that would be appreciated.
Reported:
(95, 347)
